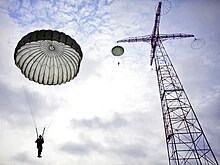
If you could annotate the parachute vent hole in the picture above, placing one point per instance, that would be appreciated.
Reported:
(52, 48)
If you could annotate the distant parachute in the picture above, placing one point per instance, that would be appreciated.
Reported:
(48, 57)
(198, 43)
(117, 50)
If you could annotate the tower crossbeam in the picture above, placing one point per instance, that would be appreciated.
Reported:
(162, 37)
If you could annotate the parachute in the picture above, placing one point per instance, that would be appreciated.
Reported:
(47, 58)
(117, 50)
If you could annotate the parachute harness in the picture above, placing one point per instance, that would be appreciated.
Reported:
(42, 132)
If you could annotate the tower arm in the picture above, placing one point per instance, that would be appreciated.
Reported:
(164, 37)
(155, 31)
(146, 38)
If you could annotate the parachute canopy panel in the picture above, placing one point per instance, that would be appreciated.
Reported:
(48, 57)
(117, 50)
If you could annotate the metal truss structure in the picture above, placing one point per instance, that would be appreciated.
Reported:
(185, 139)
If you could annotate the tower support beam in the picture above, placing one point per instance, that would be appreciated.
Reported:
(185, 139)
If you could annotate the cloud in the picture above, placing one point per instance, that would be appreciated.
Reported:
(80, 148)
(23, 158)
(16, 112)
(208, 114)
(122, 137)
(85, 17)
(131, 150)
(98, 123)
(119, 151)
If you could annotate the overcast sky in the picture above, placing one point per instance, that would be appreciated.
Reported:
(108, 114)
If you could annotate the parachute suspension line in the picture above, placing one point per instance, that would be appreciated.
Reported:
(53, 110)
(48, 125)
(36, 131)
(44, 112)
(43, 132)
(31, 110)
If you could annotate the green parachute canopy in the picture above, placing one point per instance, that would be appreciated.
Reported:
(48, 57)
(117, 50)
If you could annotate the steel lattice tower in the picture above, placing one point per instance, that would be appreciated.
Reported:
(185, 139)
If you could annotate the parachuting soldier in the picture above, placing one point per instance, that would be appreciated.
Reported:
(39, 141)
(47, 57)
